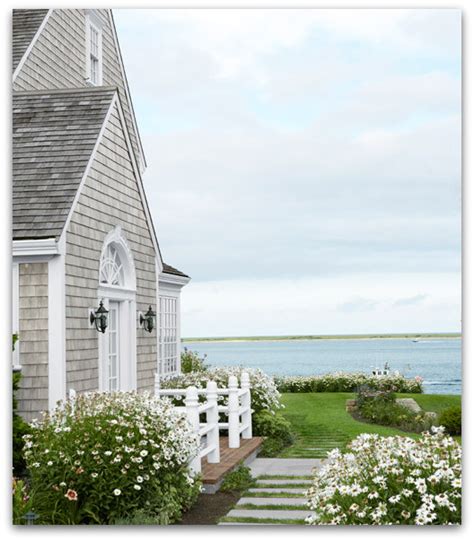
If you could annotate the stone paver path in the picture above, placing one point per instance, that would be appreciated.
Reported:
(278, 497)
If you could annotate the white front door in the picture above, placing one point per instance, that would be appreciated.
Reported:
(112, 373)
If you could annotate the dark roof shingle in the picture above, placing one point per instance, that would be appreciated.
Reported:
(25, 24)
(171, 270)
(54, 134)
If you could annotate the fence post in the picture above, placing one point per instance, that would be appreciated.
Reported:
(192, 403)
(234, 417)
(212, 418)
(246, 403)
(157, 384)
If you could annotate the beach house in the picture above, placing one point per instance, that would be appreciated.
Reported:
(93, 303)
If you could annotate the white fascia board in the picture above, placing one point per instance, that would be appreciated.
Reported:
(173, 280)
(31, 45)
(31, 248)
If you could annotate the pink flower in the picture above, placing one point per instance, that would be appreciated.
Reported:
(71, 495)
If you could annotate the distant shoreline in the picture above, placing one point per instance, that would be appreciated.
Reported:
(408, 336)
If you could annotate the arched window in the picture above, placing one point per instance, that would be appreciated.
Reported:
(111, 267)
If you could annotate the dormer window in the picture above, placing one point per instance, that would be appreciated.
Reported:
(93, 49)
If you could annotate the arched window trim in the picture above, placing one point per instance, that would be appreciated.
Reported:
(116, 241)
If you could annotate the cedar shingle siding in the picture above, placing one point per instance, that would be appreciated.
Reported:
(58, 59)
(109, 197)
(33, 343)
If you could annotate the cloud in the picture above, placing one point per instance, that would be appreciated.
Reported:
(301, 144)
(416, 299)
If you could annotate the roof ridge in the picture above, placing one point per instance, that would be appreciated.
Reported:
(72, 90)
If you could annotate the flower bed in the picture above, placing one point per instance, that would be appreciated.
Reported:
(346, 382)
(265, 395)
(108, 456)
(393, 480)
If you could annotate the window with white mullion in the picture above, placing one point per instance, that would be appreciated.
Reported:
(94, 52)
(168, 335)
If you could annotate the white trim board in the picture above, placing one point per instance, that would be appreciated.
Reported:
(31, 45)
(35, 247)
(57, 328)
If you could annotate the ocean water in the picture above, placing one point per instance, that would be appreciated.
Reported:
(437, 361)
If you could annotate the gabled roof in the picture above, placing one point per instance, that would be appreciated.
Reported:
(25, 24)
(54, 135)
(168, 269)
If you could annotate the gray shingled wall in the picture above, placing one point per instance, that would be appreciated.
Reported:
(33, 343)
(58, 60)
(109, 197)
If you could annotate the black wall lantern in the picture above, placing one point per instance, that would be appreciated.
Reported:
(147, 321)
(99, 318)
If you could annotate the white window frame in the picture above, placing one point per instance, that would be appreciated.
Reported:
(93, 22)
(169, 364)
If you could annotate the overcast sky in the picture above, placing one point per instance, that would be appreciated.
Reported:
(304, 166)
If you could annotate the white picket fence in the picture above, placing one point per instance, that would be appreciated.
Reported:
(238, 412)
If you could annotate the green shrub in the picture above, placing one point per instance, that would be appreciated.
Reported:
(105, 456)
(451, 419)
(21, 501)
(347, 382)
(380, 407)
(238, 479)
(191, 362)
(276, 430)
(20, 428)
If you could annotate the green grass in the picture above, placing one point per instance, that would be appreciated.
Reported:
(320, 421)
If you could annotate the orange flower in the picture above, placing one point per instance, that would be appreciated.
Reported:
(71, 495)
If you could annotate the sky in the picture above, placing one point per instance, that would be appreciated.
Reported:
(304, 165)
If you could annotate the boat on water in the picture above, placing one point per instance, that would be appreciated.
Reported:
(385, 371)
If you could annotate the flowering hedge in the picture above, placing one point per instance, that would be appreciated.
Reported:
(109, 455)
(394, 480)
(344, 382)
(265, 395)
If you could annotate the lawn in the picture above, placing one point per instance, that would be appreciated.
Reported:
(320, 421)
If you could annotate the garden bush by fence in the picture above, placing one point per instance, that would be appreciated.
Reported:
(265, 395)
(347, 382)
(394, 480)
(108, 455)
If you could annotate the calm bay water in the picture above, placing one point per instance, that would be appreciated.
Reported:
(437, 361)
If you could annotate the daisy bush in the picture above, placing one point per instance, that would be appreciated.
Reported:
(265, 395)
(344, 382)
(107, 455)
(394, 480)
